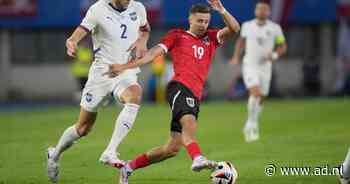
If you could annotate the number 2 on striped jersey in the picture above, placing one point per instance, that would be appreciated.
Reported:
(123, 35)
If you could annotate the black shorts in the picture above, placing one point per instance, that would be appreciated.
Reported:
(181, 101)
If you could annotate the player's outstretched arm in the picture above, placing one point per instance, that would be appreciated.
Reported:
(232, 25)
(74, 39)
(140, 46)
(150, 55)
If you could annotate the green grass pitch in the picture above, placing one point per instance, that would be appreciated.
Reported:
(306, 133)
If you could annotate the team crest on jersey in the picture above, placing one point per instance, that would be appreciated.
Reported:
(206, 40)
(190, 102)
(133, 16)
(88, 97)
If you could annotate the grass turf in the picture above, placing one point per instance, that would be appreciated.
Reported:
(306, 133)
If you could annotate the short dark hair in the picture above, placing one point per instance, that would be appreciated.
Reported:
(263, 2)
(200, 8)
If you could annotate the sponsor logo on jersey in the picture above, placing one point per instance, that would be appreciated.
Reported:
(133, 16)
(88, 97)
(190, 102)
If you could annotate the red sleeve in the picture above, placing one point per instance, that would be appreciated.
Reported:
(213, 36)
(168, 41)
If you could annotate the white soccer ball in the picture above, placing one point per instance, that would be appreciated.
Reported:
(224, 173)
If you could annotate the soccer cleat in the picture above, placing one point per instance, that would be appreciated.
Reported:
(251, 133)
(201, 162)
(124, 174)
(52, 166)
(111, 159)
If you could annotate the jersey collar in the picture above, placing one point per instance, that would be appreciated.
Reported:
(261, 25)
(197, 37)
(110, 4)
(189, 32)
(116, 9)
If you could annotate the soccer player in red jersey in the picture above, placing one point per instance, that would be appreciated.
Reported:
(192, 52)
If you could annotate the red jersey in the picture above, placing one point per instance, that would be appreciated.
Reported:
(191, 56)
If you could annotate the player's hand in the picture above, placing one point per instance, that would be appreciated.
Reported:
(268, 57)
(71, 47)
(217, 5)
(234, 61)
(139, 48)
(272, 56)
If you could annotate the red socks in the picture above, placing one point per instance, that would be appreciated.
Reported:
(193, 150)
(142, 161)
(139, 162)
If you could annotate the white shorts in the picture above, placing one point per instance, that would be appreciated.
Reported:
(100, 87)
(253, 76)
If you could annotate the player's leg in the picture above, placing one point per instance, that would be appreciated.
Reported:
(189, 128)
(130, 93)
(345, 178)
(155, 155)
(81, 128)
(95, 91)
(251, 128)
(252, 82)
(168, 150)
(254, 104)
(92, 97)
(185, 108)
(260, 93)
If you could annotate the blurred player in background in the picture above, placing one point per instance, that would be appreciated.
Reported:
(192, 52)
(263, 43)
(345, 176)
(117, 27)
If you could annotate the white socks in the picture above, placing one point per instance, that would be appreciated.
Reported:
(346, 166)
(67, 139)
(123, 125)
(254, 109)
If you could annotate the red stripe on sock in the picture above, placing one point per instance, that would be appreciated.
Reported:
(139, 162)
(193, 150)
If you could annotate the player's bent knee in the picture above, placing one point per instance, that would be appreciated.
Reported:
(256, 93)
(132, 95)
(135, 99)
